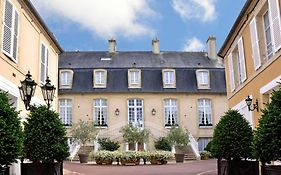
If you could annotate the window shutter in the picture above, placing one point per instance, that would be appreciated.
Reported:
(242, 59)
(8, 21)
(47, 62)
(255, 44)
(43, 62)
(15, 40)
(275, 22)
(231, 72)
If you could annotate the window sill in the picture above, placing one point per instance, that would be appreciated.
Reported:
(206, 126)
(168, 126)
(67, 126)
(102, 126)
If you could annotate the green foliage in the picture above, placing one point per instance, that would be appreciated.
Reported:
(267, 137)
(132, 134)
(107, 144)
(162, 143)
(11, 136)
(232, 137)
(178, 136)
(84, 131)
(45, 136)
(209, 146)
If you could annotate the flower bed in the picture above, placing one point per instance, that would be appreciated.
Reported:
(159, 157)
(104, 157)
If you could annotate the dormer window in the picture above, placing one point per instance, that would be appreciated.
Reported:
(100, 77)
(134, 78)
(169, 78)
(66, 77)
(203, 79)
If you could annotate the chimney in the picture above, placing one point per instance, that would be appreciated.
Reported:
(212, 51)
(112, 46)
(155, 46)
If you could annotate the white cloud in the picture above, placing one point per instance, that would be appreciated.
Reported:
(194, 45)
(203, 10)
(105, 18)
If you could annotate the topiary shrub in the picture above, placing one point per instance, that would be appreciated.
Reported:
(232, 139)
(107, 144)
(162, 143)
(11, 136)
(209, 146)
(267, 137)
(45, 137)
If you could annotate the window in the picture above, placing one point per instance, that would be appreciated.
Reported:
(100, 76)
(170, 112)
(265, 29)
(100, 112)
(237, 68)
(66, 77)
(203, 142)
(135, 112)
(134, 78)
(10, 30)
(205, 113)
(44, 63)
(65, 110)
(169, 78)
(203, 80)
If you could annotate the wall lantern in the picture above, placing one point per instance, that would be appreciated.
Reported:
(27, 90)
(251, 107)
(48, 91)
(153, 111)
(117, 111)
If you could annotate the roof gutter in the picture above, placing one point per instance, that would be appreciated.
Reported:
(236, 24)
(42, 23)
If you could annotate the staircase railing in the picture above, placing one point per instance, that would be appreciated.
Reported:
(73, 150)
(194, 146)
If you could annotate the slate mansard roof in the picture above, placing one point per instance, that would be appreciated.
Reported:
(151, 65)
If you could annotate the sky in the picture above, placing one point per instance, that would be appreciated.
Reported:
(180, 25)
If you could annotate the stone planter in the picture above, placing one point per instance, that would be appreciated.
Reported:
(83, 158)
(273, 169)
(42, 168)
(235, 167)
(179, 158)
(130, 162)
(104, 162)
(158, 162)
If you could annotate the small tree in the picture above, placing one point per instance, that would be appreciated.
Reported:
(267, 137)
(10, 132)
(178, 136)
(162, 143)
(45, 136)
(84, 132)
(232, 137)
(107, 144)
(132, 134)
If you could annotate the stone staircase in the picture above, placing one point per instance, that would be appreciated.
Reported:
(87, 149)
(189, 154)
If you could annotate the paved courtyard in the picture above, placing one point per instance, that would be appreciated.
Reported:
(203, 167)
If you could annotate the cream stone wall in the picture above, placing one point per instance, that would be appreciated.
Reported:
(82, 108)
(31, 34)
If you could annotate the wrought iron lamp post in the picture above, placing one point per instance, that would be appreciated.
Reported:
(48, 91)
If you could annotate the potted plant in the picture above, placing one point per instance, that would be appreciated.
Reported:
(84, 132)
(134, 135)
(10, 134)
(130, 158)
(159, 157)
(104, 157)
(267, 137)
(232, 141)
(179, 138)
(107, 144)
(45, 143)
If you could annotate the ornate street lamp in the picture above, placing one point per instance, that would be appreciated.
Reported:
(249, 101)
(27, 90)
(48, 91)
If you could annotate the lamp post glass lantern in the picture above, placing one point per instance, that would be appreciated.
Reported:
(249, 101)
(48, 91)
(27, 90)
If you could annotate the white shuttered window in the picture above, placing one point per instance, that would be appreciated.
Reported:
(231, 72)
(241, 60)
(274, 11)
(44, 63)
(255, 44)
(10, 30)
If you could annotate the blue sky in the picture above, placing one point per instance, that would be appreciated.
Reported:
(180, 25)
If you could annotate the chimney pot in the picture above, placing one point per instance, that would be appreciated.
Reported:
(112, 46)
(155, 46)
(212, 51)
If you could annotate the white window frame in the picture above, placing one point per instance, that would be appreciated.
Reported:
(66, 79)
(13, 51)
(274, 13)
(135, 112)
(134, 78)
(205, 118)
(44, 65)
(169, 78)
(100, 112)
(269, 28)
(171, 112)
(203, 79)
(65, 111)
(97, 78)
